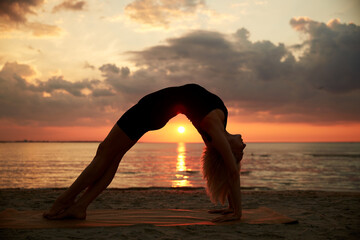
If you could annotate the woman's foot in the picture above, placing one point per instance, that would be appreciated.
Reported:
(58, 207)
(73, 212)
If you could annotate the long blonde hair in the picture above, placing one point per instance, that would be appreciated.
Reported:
(216, 174)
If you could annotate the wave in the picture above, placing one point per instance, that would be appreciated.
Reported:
(127, 173)
(188, 172)
(260, 155)
(349, 155)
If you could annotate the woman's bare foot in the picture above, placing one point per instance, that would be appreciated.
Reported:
(73, 212)
(58, 207)
(227, 218)
(221, 211)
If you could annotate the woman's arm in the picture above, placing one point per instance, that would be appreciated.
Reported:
(213, 125)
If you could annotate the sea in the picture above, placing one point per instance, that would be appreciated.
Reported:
(265, 166)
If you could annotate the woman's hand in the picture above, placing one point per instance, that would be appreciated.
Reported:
(221, 211)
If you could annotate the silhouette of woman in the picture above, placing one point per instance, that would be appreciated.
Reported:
(206, 111)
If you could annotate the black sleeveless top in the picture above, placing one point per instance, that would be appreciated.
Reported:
(154, 110)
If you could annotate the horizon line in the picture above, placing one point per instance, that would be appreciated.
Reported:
(98, 141)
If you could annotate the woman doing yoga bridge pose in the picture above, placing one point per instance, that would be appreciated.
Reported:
(206, 111)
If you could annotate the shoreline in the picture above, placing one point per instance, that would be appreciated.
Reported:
(321, 214)
(154, 188)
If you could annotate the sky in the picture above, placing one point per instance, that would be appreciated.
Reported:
(288, 71)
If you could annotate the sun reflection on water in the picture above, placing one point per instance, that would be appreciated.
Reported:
(181, 179)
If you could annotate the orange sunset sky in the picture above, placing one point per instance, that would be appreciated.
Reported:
(288, 71)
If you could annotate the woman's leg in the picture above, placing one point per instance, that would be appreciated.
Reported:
(116, 144)
(78, 209)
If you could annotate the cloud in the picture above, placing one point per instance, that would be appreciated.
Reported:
(13, 16)
(88, 65)
(160, 13)
(131, 86)
(217, 60)
(41, 29)
(55, 102)
(332, 59)
(59, 83)
(72, 5)
(11, 69)
(259, 81)
(16, 10)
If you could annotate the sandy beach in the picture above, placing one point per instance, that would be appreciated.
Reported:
(320, 215)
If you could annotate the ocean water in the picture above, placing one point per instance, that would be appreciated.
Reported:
(273, 166)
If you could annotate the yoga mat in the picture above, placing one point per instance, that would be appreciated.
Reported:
(11, 218)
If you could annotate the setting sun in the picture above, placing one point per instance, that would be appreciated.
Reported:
(181, 129)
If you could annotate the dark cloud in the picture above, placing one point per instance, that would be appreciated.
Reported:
(221, 62)
(59, 83)
(161, 12)
(17, 10)
(118, 78)
(72, 5)
(103, 92)
(259, 81)
(55, 102)
(333, 56)
(13, 16)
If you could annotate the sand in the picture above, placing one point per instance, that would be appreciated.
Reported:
(320, 215)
